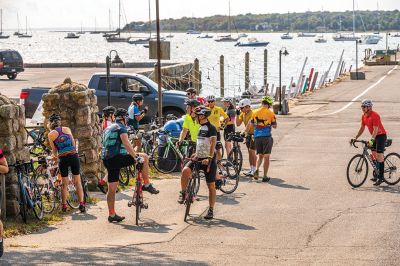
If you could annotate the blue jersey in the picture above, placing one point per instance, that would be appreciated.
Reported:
(133, 111)
(174, 127)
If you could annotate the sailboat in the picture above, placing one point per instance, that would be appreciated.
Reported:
(71, 35)
(25, 35)
(306, 34)
(2, 36)
(81, 32)
(117, 37)
(287, 36)
(17, 33)
(193, 31)
(228, 38)
(340, 37)
(95, 28)
(110, 32)
(321, 38)
(374, 38)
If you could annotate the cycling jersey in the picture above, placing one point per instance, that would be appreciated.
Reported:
(174, 127)
(215, 116)
(231, 113)
(201, 100)
(133, 111)
(191, 124)
(246, 118)
(63, 143)
(112, 143)
(263, 118)
(206, 132)
(373, 120)
(106, 124)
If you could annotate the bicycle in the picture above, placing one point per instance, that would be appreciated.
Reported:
(192, 188)
(166, 154)
(361, 166)
(37, 146)
(137, 198)
(29, 193)
(235, 155)
(229, 176)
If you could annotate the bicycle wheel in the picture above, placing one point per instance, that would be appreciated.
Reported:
(236, 157)
(72, 199)
(189, 197)
(124, 175)
(138, 200)
(357, 170)
(165, 159)
(220, 148)
(22, 202)
(48, 193)
(230, 178)
(197, 185)
(392, 172)
(37, 201)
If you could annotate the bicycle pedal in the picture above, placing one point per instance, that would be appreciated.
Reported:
(130, 204)
(145, 206)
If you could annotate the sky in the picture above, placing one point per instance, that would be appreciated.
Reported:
(73, 13)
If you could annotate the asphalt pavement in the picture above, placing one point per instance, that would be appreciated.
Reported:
(306, 215)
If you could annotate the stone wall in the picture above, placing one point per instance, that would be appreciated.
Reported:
(12, 141)
(77, 106)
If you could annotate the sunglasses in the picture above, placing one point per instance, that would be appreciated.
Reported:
(211, 101)
(364, 107)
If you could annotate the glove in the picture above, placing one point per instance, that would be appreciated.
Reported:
(371, 142)
(145, 110)
(237, 111)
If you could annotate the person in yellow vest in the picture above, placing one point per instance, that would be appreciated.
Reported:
(263, 121)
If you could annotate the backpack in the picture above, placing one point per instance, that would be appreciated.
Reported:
(112, 144)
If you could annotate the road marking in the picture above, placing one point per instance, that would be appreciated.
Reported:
(361, 94)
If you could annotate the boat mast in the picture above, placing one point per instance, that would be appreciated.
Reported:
(354, 20)
(150, 19)
(1, 21)
(18, 22)
(229, 19)
(26, 25)
(288, 21)
(119, 18)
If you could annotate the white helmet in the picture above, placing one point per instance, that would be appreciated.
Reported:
(210, 98)
(227, 99)
(366, 103)
(244, 103)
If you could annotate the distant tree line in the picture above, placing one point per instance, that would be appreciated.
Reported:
(308, 21)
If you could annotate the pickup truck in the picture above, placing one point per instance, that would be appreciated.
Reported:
(122, 88)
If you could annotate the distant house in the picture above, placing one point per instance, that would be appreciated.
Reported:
(263, 26)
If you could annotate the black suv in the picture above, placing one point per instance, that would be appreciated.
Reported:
(11, 63)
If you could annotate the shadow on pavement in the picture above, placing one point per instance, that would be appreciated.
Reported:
(126, 255)
(15, 80)
(230, 199)
(281, 183)
(200, 221)
(149, 226)
(78, 216)
(387, 189)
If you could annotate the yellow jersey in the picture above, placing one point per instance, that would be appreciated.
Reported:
(214, 118)
(246, 118)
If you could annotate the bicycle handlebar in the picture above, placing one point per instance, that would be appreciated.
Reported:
(353, 142)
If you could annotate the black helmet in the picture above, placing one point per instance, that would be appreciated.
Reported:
(54, 117)
(191, 90)
(202, 110)
(192, 102)
(109, 110)
(121, 113)
(137, 97)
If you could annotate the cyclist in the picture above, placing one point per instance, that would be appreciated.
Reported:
(189, 121)
(108, 116)
(245, 114)
(118, 153)
(230, 124)
(108, 120)
(215, 119)
(63, 147)
(263, 120)
(192, 95)
(3, 170)
(174, 127)
(135, 116)
(372, 121)
(206, 157)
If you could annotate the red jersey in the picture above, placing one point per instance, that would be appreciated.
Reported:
(1, 155)
(371, 121)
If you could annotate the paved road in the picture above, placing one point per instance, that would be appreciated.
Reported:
(306, 215)
(49, 77)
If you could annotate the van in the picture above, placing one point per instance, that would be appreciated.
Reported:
(11, 63)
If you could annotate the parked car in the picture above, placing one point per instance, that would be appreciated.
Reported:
(122, 87)
(11, 63)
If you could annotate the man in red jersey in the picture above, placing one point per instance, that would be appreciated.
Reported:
(191, 94)
(372, 121)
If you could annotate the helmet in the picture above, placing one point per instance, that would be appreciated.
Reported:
(228, 99)
(109, 110)
(121, 113)
(137, 97)
(192, 102)
(170, 117)
(202, 110)
(366, 103)
(54, 117)
(191, 90)
(210, 98)
(244, 103)
(267, 99)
